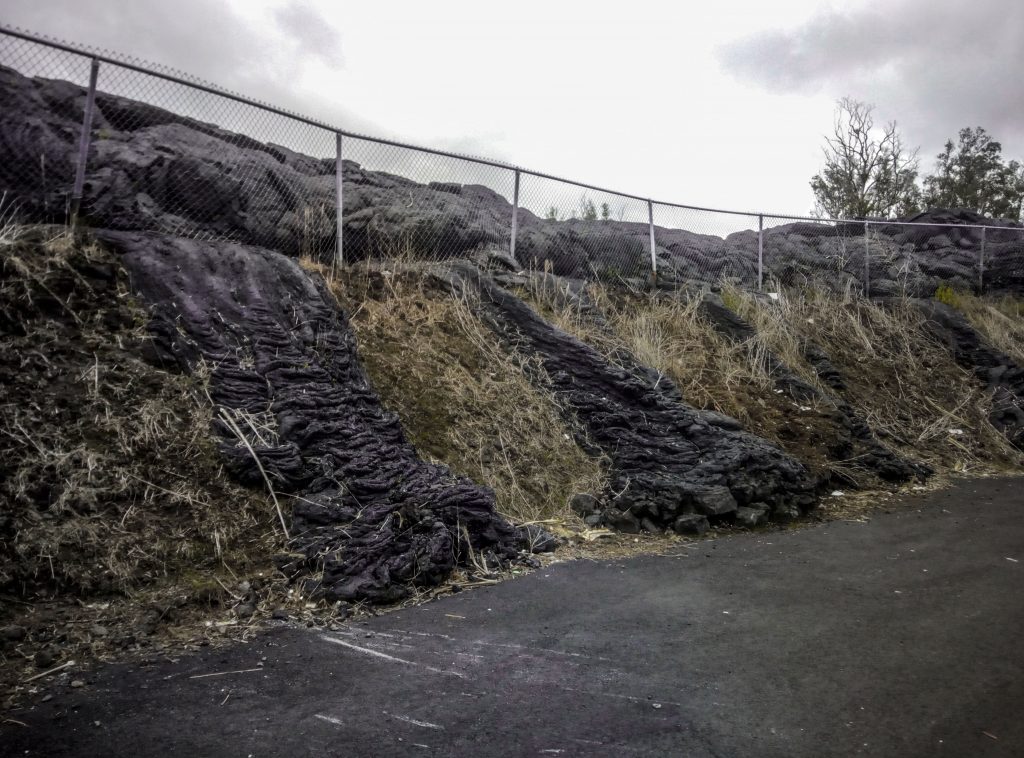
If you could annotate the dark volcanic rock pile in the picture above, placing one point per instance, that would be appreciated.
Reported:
(671, 465)
(152, 169)
(368, 513)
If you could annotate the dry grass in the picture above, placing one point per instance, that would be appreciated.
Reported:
(900, 379)
(674, 336)
(120, 534)
(1000, 320)
(111, 478)
(463, 399)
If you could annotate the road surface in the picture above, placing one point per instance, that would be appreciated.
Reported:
(897, 637)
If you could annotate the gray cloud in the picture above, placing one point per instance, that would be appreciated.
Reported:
(203, 37)
(311, 32)
(933, 65)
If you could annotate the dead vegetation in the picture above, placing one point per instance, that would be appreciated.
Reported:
(670, 334)
(463, 399)
(904, 383)
(1000, 321)
(673, 335)
(901, 380)
(116, 518)
(110, 474)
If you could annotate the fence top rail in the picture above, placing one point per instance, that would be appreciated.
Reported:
(885, 222)
(179, 77)
(188, 80)
(946, 224)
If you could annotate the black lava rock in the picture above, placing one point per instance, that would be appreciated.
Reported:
(372, 518)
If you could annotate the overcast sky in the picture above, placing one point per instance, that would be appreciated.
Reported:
(720, 103)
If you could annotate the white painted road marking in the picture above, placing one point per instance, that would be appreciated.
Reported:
(414, 722)
(386, 657)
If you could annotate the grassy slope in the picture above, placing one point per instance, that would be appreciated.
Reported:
(899, 378)
(907, 385)
(463, 399)
(673, 336)
(1000, 320)
(117, 521)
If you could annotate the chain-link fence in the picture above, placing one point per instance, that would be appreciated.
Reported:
(127, 145)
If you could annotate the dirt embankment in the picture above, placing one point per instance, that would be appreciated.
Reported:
(118, 527)
(198, 449)
(180, 464)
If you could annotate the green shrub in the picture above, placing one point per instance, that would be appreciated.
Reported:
(731, 299)
(946, 294)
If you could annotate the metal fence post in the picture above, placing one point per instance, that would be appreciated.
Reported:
(981, 264)
(339, 204)
(760, 252)
(515, 217)
(654, 250)
(867, 259)
(83, 143)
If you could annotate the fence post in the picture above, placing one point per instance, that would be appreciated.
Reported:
(981, 264)
(760, 252)
(83, 143)
(515, 217)
(339, 204)
(654, 250)
(867, 260)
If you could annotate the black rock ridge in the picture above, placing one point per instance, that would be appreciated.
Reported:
(669, 463)
(369, 519)
(152, 169)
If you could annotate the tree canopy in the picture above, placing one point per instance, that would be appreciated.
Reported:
(972, 174)
(869, 172)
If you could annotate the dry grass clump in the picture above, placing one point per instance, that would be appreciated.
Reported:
(1000, 320)
(668, 334)
(462, 398)
(109, 477)
(899, 378)
(673, 335)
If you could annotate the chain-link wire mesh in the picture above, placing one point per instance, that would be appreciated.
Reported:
(575, 231)
(700, 247)
(916, 259)
(404, 203)
(1002, 260)
(798, 252)
(208, 167)
(169, 153)
(37, 169)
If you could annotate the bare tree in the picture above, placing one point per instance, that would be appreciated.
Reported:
(588, 211)
(868, 171)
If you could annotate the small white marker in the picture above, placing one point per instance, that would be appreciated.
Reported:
(1013, 560)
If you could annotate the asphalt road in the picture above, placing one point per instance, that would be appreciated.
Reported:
(899, 637)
